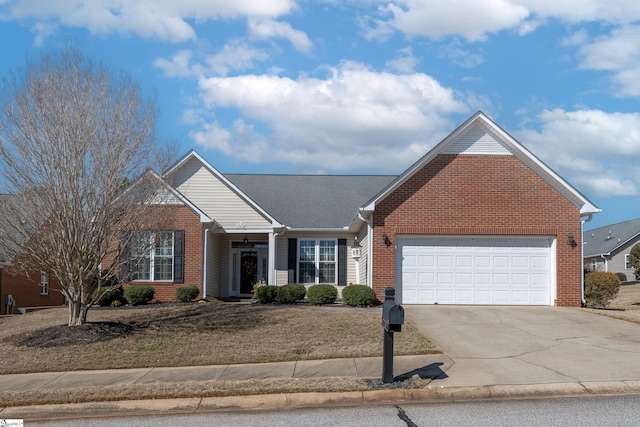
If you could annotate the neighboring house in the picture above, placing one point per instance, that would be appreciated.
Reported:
(477, 220)
(18, 291)
(607, 248)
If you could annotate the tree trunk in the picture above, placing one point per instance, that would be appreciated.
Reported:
(77, 313)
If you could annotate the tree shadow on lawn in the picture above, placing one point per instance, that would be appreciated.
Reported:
(151, 319)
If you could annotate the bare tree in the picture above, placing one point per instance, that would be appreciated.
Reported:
(71, 135)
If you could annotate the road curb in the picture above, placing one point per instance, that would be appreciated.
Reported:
(290, 401)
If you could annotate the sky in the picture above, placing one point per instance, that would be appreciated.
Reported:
(367, 87)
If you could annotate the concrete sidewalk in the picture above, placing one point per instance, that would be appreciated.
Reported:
(427, 366)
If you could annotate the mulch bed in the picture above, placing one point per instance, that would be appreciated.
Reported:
(63, 335)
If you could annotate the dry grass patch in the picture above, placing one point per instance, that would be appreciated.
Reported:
(626, 306)
(204, 334)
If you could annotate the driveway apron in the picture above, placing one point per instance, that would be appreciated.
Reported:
(499, 345)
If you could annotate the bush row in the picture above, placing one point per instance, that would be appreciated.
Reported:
(353, 295)
(138, 295)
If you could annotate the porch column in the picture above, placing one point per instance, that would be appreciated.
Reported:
(271, 278)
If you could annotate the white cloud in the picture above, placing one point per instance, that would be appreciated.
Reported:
(160, 19)
(470, 19)
(461, 57)
(178, 66)
(474, 20)
(353, 119)
(234, 56)
(405, 62)
(268, 29)
(618, 53)
(593, 149)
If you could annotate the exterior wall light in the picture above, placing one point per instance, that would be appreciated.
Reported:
(571, 241)
(385, 239)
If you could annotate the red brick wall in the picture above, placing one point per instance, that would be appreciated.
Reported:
(26, 291)
(182, 218)
(479, 195)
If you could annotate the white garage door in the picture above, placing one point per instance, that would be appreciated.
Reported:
(492, 271)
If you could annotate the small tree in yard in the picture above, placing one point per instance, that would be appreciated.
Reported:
(71, 135)
(634, 259)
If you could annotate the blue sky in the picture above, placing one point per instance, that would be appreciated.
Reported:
(368, 87)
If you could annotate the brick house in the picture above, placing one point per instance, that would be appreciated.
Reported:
(18, 291)
(478, 220)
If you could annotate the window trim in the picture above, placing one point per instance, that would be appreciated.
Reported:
(627, 266)
(44, 283)
(316, 260)
(151, 256)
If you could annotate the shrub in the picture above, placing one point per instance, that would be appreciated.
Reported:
(109, 295)
(139, 294)
(187, 293)
(600, 288)
(359, 296)
(266, 294)
(322, 294)
(293, 292)
(622, 277)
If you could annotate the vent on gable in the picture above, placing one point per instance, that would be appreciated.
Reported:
(476, 141)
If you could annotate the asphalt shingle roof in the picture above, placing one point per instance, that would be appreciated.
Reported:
(311, 201)
(607, 239)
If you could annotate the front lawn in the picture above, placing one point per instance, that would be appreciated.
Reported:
(196, 334)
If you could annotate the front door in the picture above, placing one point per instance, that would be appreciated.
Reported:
(248, 271)
(249, 265)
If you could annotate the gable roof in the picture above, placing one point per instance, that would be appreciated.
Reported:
(311, 201)
(165, 194)
(606, 240)
(480, 135)
(191, 154)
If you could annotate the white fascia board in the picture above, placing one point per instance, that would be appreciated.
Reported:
(193, 154)
(586, 207)
(243, 231)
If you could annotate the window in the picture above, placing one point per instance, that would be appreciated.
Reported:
(317, 261)
(44, 283)
(153, 256)
(626, 261)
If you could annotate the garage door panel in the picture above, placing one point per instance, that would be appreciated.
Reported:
(476, 271)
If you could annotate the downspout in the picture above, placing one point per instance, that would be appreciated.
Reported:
(584, 301)
(369, 247)
(204, 262)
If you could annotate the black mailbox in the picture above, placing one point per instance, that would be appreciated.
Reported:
(392, 314)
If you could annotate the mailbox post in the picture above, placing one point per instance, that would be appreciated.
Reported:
(392, 320)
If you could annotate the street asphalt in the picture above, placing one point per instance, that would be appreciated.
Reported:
(489, 353)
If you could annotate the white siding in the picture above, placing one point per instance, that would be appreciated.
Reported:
(477, 140)
(216, 199)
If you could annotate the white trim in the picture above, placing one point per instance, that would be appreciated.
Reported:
(479, 118)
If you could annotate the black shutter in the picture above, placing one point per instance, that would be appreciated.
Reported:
(292, 258)
(178, 256)
(124, 260)
(342, 262)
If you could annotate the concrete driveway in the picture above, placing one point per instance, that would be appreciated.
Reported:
(496, 345)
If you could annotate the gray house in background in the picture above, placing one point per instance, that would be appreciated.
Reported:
(607, 248)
